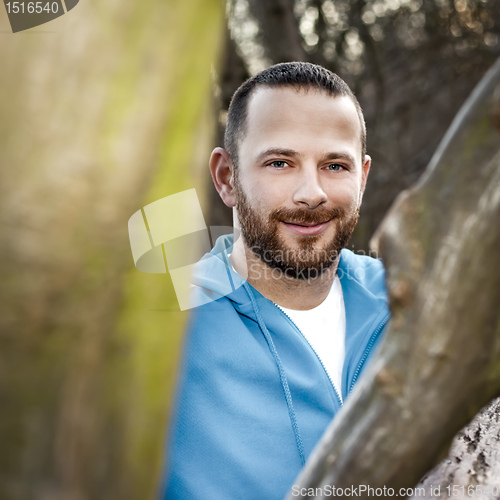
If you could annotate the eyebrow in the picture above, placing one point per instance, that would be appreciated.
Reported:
(295, 154)
(279, 152)
(339, 156)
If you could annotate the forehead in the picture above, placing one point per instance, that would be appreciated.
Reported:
(301, 118)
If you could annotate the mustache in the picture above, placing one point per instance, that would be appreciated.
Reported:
(301, 216)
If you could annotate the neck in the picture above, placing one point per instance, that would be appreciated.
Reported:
(292, 293)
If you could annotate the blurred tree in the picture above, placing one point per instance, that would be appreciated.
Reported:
(102, 111)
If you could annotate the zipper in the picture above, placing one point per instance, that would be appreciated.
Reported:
(314, 350)
(369, 347)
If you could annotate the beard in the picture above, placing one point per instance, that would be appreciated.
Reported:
(310, 258)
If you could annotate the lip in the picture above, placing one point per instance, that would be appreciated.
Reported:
(306, 229)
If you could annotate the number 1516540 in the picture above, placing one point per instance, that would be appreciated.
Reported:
(32, 7)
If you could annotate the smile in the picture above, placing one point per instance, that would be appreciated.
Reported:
(306, 228)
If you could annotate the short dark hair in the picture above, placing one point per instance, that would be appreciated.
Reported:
(298, 75)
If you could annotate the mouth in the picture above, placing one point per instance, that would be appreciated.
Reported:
(306, 228)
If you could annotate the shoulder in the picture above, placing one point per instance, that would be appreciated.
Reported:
(367, 271)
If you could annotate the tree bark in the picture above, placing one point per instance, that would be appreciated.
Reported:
(472, 468)
(438, 364)
(102, 111)
(279, 29)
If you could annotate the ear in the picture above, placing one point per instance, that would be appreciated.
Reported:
(221, 169)
(364, 175)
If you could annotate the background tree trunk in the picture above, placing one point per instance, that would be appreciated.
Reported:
(439, 362)
(279, 30)
(102, 111)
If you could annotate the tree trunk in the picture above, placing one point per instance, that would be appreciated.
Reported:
(280, 30)
(232, 73)
(439, 362)
(472, 468)
(103, 110)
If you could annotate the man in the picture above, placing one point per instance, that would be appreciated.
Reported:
(269, 361)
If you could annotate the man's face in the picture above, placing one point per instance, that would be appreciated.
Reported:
(300, 178)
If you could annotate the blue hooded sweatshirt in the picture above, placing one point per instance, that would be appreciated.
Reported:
(253, 397)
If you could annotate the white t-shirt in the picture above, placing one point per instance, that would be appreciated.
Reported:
(324, 328)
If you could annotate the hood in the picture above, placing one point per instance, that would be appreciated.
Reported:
(213, 277)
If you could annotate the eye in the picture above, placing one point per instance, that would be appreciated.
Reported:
(279, 164)
(335, 167)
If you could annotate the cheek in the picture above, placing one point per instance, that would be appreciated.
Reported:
(346, 194)
(266, 196)
(257, 201)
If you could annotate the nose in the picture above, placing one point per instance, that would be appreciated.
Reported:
(308, 190)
